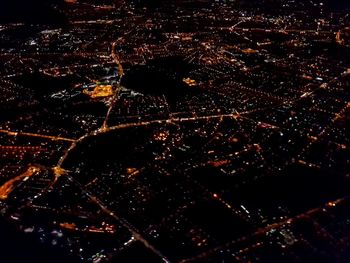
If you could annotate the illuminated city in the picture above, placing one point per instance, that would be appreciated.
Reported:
(175, 131)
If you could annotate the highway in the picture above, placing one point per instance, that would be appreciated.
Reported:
(10, 185)
(116, 59)
(27, 134)
(104, 130)
(137, 236)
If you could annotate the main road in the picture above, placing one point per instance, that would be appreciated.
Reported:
(116, 59)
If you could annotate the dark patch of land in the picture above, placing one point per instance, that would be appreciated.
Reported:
(30, 11)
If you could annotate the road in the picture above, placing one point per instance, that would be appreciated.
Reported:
(137, 236)
(27, 134)
(116, 59)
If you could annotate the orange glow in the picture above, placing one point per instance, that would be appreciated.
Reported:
(219, 163)
(100, 91)
(70, 226)
(189, 82)
(249, 51)
(10, 185)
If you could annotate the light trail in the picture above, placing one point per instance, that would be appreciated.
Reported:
(27, 134)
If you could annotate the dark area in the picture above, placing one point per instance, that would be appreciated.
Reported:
(30, 11)
(17, 247)
(137, 253)
(160, 77)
